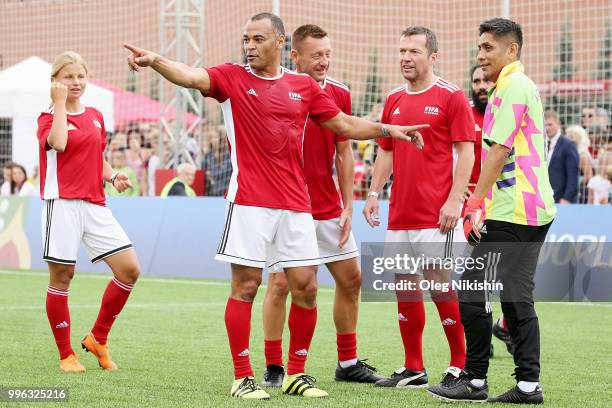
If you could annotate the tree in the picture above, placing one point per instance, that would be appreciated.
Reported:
(154, 89)
(564, 69)
(130, 83)
(373, 93)
(567, 106)
(604, 64)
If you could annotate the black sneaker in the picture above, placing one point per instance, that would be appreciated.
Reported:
(404, 378)
(460, 390)
(503, 335)
(273, 377)
(360, 372)
(450, 375)
(516, 396)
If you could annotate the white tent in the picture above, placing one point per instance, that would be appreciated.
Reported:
(24, 94)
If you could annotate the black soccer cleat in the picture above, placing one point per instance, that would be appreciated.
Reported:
(360, 372)
(273, 377)
(503, 335)
(516, 396)
(404, 378)
(460, 390)
(450, 375)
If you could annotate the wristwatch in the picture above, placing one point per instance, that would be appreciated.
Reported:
(385, 130)
(373, 194)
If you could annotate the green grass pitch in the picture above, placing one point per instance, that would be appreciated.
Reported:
(171, 347)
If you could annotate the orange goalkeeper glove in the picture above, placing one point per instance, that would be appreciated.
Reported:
(473, 220)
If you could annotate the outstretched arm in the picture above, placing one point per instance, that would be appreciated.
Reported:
(174, 71)
(361, 129)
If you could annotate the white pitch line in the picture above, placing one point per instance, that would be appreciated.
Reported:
(143, 279)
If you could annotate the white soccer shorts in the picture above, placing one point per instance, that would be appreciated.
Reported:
(328, 237)
(259, 237)
(67, 223)
(426, 243)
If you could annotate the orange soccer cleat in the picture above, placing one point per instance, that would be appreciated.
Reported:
(71, 364)
(90, 345)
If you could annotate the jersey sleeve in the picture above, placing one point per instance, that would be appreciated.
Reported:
(220, 81)
(385, 143)
(345, 106)
(45, 121)
(322, 107)
(509, 108)
(460, 118)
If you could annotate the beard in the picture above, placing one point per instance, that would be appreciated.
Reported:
(478, 103)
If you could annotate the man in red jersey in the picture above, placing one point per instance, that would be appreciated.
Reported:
(426, 198)
(312, 53)
(268, 218)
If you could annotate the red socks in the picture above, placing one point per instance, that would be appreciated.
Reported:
(448, 309)
(302, 323)
(59, 319)
(273, 350)
(411, 318)
(114, 298)
(238, 325)
(347, 346)
(347, 349)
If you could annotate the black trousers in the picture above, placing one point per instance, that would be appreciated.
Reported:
(511, 252)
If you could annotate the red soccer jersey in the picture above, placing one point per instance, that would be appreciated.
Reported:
(319, 152)
(265, 120)
(478, 119)
(422, 179)
(75, 173)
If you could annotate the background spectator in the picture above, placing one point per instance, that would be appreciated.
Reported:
(181, 184)
(599, 185)
(562, 160)
(134, 159)
(118, 163)
(7, 176)
(20, 186)
(579, 136)
(217, 164)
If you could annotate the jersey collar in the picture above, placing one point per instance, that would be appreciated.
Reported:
(250, 70)
(513, 67)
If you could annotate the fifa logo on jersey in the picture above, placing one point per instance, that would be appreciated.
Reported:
(295, 96)
(431, 110)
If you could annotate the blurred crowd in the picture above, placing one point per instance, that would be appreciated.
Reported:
(580, 172)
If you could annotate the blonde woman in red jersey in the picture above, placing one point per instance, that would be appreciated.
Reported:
(72, 139)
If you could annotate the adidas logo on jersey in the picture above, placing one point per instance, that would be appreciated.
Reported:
(477, 128)
(448, 322)
(396, 111)
(62, 325)
(252, 92)
(302, 352)
(71, 127)
(97, 124)
(431, 110)
(244, 353)
(401, 317)
(295, 96)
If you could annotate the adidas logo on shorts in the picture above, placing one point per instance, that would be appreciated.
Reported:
(302, 352)
(401, 317)
(62, 325)
(244, 353)
(448, 322)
